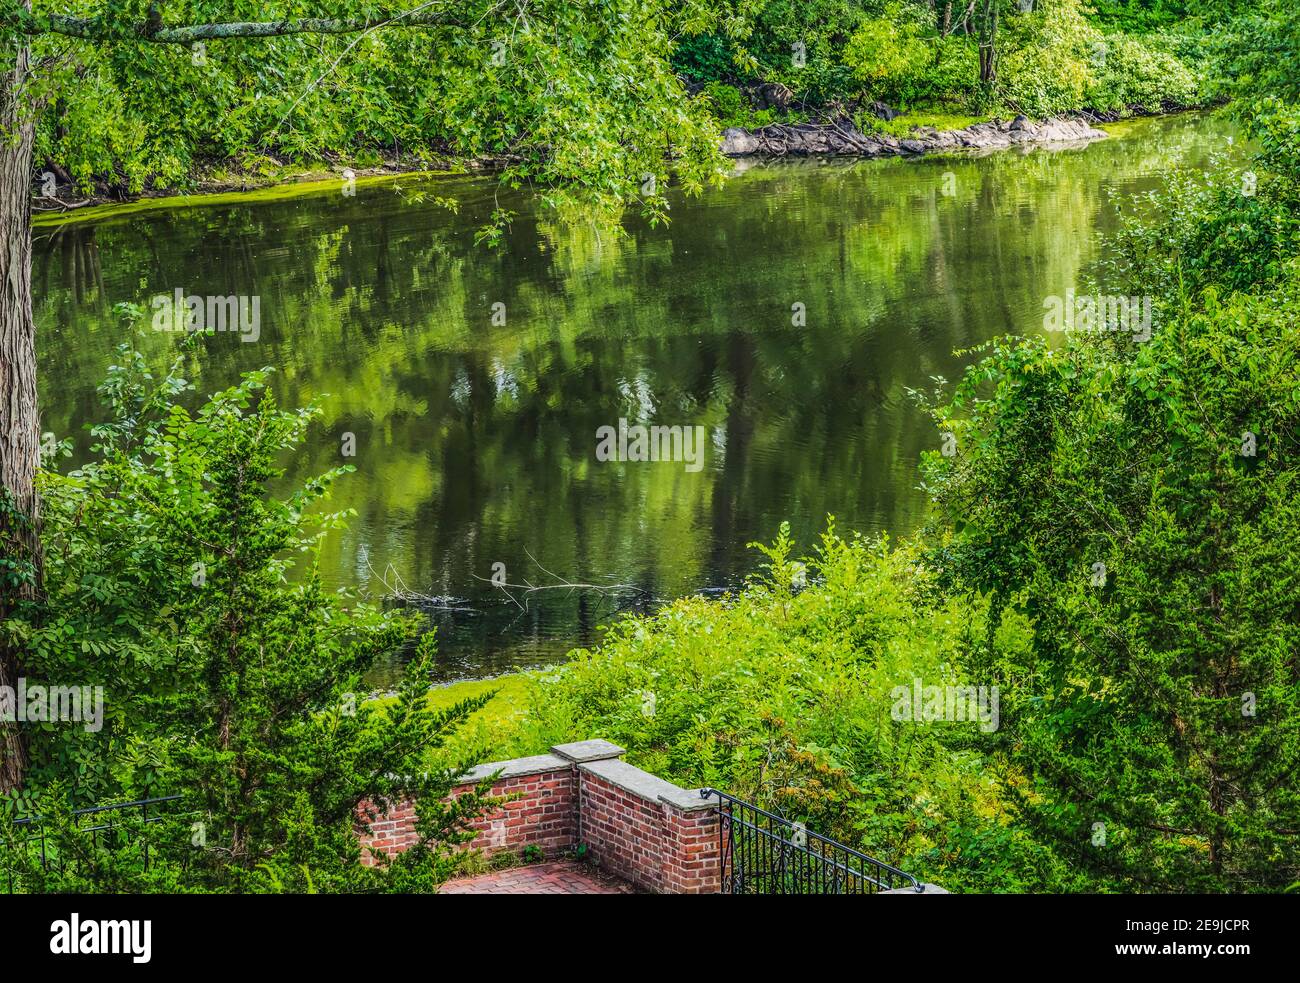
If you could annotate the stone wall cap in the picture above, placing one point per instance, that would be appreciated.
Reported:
(538, 764)
(925, 889)
(593, 750)
(690, 800)
(631, 779)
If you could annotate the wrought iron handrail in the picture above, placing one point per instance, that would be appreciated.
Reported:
(761, 852)
(141, 804)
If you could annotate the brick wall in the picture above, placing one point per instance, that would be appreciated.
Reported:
(647, 830)
(624, 832)
(634, 825)
(694, 865)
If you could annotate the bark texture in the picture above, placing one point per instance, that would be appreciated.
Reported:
(19, 421)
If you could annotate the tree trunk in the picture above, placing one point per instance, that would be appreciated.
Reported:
(944, 26)
(988, 43)
(20, 552)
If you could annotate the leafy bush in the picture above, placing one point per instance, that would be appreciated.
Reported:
(783, 695)
(885, 55)
(1258, 53)
(1138, 15)
(1048, 71)
(820, 26)
(1137, 74)
(232, 676)
(950, 76)
(704, 58)
(1138, 503)
(1237, 227)
(731, 107)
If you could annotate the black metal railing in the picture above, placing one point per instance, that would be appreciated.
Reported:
(111, 827)
(763, 853)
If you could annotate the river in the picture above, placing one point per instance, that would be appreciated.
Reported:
(786, 314)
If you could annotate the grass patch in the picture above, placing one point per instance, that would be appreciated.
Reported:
(902, 126)
(511, 693)
(488, 733)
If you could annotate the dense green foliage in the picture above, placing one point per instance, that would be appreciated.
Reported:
(1160, 698)
(579, 97)
(586, 100)
(782, 695)
(1113, 546)
(1052, 56)
(1138, 503)
(1128, 512)
(232, 677)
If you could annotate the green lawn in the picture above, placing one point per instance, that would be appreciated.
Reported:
(510, 694)
(489, 731)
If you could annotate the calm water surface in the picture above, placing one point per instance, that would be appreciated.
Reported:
(475, 440)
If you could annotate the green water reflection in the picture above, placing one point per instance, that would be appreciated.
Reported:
(475, 441)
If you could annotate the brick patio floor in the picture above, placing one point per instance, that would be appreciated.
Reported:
(556, 877)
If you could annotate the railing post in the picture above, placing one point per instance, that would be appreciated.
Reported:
(693, 844)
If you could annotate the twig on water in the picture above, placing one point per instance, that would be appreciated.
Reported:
(528, 587)
(396, 588)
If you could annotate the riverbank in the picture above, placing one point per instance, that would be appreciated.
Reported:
(843, 138)
(286, 184)
(489, 732)
(840, 138)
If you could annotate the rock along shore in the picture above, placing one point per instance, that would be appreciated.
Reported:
(844, 139)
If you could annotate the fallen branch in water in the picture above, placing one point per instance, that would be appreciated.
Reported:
(560, 584)
(59, 204)
(397, 590)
